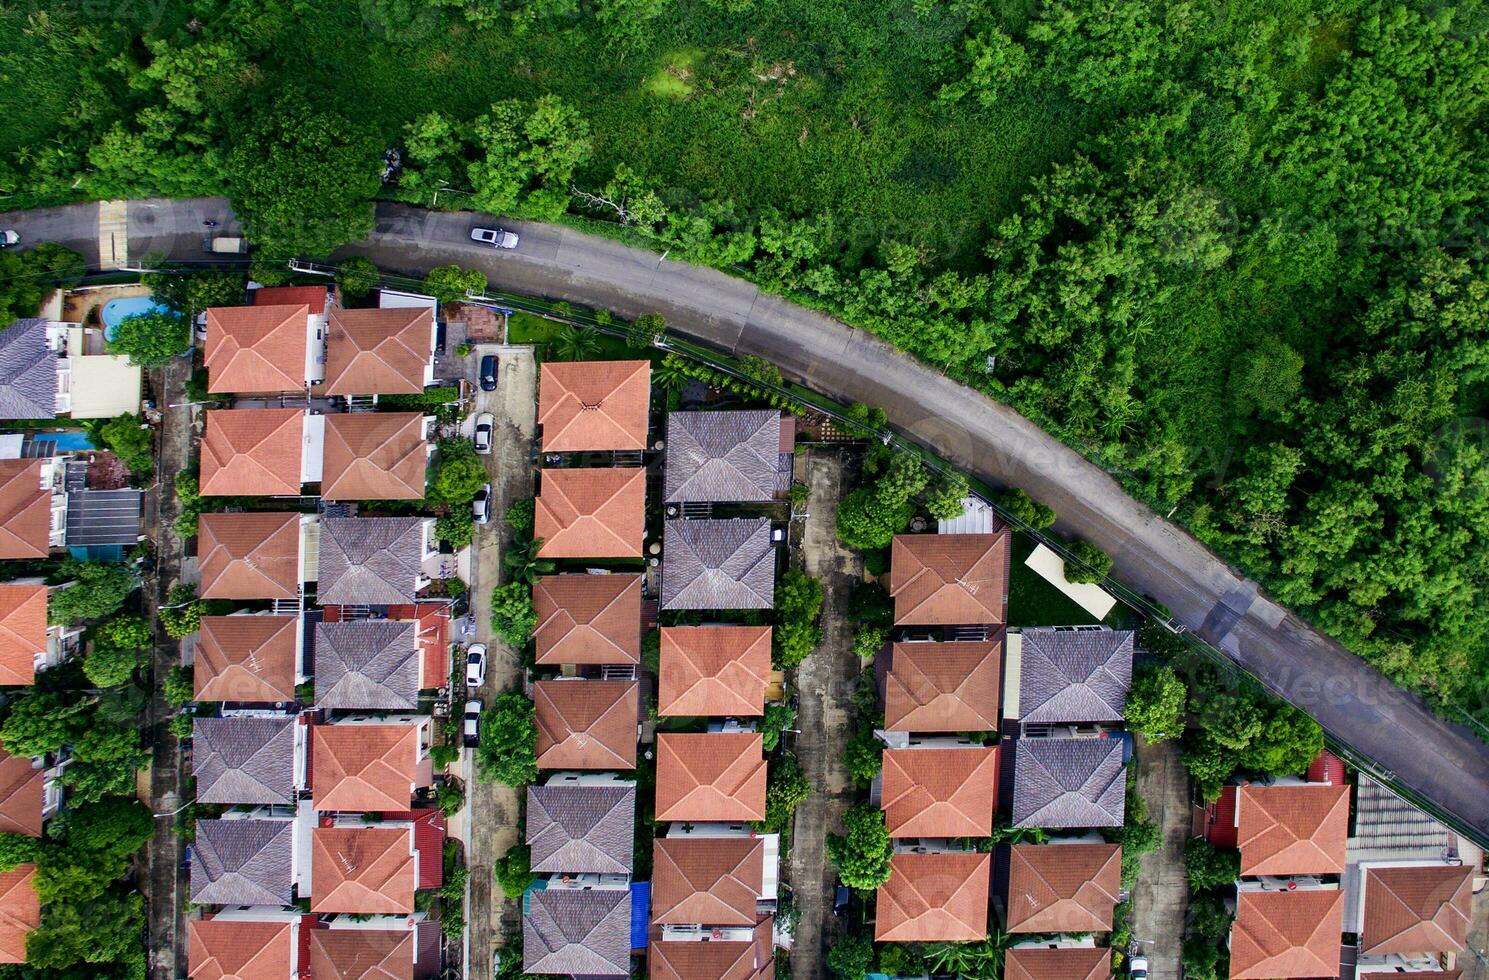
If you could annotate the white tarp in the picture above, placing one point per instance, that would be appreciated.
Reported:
(1051, 567)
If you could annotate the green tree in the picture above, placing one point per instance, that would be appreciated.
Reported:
(179, 686)
(1019, 504)
(106, 929)
(357, 277)
(456, 530)
(458, 473)
(91, 590)
(514, 871)
(17, 849)
(451, 283)
(182, 613)
(868, 641)
(778, 717)
(785, 789)
(1094, 563)
(122, 632)
(794, 642)
(128, 437)
(645, 331)
(943, 498)
(111, 666)
(151, 338)
(521, 561)
(851, 956)
(40, 723)
(866, 522)
(1156, 703)
(798, 596)
(512, 613)
(1206, 866)
(509, 739)
(519, 515)
(104, 761)
(863, 755)
(861, 854)
(575, 343)
(189, 291)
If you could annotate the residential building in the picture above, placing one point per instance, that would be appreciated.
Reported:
(581, 824)
(1063, 783)
(940, 791)
(261, 452)
(248, 759)
(376, 456)
(718, 564)
(49, 368)
(375, 560)
(20, 911)
(1063, 887)
(244, 860)
(242, 943)
(1075, 675)
(28, 642)
(944, 687)
(370, 764)
(263, 349)
(384, 351)
(314, 298)
(710, 776)
(716, 878)
(1052, 962)
(357, 948)
(572, 932)
(1287, 933)
(1291, 828)
(30, 794)
(369, 665)
(249, 659)
(363, 869)
(727, 457)
(949, 579)
(934, 897)
(713, 671)
(591, 513)
(256, 554)
(33, 507)
(738, 953)
(594, 405)
(588, 619)
(587, 724)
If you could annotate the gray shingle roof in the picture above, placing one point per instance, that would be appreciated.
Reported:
(726, 456)
(578, 829)
(578, 933)
(242, 862)
(28, 372)
(1068, 782)
(369, 560)
(1075, 675)
(368, 664)
(244, 760)
(718, 564)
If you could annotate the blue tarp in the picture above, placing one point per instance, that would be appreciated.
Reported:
(640, 912)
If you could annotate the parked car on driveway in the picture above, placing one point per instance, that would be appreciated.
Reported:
(485, 425)
(495, 237)
(480, 506)
(1137, 967)
(9, 237)
(472, 726)
(475, 665)
(488, 373)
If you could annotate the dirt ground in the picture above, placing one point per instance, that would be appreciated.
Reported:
(1160, 898)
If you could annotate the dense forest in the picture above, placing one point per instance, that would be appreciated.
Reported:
(1233, 252)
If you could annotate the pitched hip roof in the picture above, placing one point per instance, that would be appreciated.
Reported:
(242, 862)
(370, 560)
(713, 960)
(1417, 909)
(256, 349)
(313, 297)
(28, 372)
(21, 786)
(722, 456)
(368, 870)
(949, 579)
(25, 510)
(1298, 829)
(578, 933)
(950, 792)
(591, 513)
(934, 898)
(594, 405)
(378, 351)
(581, 829)
(943, 687)
(253, 452)
(23, 632)
(20, 911)
(588, 619)
(247, 658)
(587, 724)
(363, 768)
(252, 555)
(1065, 963)
(1075, 675)
(1063, 887)
(375, 456)
(1068, 782)
(367, 664)
(710, 776)
(718, 564)
(709, 881)
(1287, 934)
(714, 671)
(238, 949)
(362, 954)
(244, 760)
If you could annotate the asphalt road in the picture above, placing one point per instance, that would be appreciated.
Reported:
(1444, 763)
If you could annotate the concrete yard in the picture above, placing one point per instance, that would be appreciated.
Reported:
(1160, 898)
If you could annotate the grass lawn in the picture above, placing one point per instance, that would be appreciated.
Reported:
(525, 328)
(1034, 602)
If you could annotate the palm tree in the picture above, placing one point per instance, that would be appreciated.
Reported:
(522, 562)
(971, 961)
(575, 343)
(668, 374)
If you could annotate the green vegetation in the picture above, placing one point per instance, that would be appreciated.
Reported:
(785, 789)
(128, 437)
(512, 613)
(151, 338)
(451, 283)
(1156, 703)
(1206, 866)
(851, 956)
(509, 738)
(778, 717)
(189, 293)
(26, 277)
(97, 589)
(861, 853)
(798, 603)
(357, 277)
(513, 870)
(1093, 563)
(179, 686)
(457, 474)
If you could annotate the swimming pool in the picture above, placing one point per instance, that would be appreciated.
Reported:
(116, 310)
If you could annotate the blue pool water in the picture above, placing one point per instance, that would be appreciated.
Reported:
(116, 310)
(67, 441)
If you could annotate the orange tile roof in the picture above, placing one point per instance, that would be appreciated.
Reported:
(1063, 887)
(253, 452)
(311, 296)
(677, 959)
(21, 785)
(949, 579)
(378, 351)
(23, 632)
(375, 456)
(20, 911)
(592, 513)
(237, 949)
(1297, 829)
(1287, 934)
(710, 881)
(588, 619)
(934, 898)
(363, 768)
(587, 724)
(246, 658)
(1420, 909)
(251, 555)
(368, 870)
(714, 671)
(361, 954)
(1065, 963)
(585, 405)
(943, 687)
(708, 776)
(25, 510)
(949, 792)
(256, 349)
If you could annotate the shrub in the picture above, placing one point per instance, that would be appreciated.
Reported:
(519, 515)
(509, 738)
(449, 797)
(1206, 866)
(1021, 506)
(646, 331)
(786, 787)
(456, 530)
(513, 871)
(868, 641)
(1156, 702)
(1094, 563)
(794, 642)
(861, 854)
(451, 283)
(357, 277)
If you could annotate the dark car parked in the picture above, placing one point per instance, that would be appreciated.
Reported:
(488, 373)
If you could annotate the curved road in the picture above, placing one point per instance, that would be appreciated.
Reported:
(1445, 763)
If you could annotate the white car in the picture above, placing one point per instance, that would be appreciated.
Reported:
(472, 727)
(480, 507)
(1137, 968)
(485, 425)
(475, 665)
(10, 237)
(495, 237)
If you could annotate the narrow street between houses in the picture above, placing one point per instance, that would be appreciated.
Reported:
(1160, 899)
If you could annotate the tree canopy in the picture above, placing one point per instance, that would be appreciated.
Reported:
(97, 589)
(509, 738)
(861, 853)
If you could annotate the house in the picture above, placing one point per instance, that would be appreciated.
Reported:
(731, 457)
(587, 724)
(1066, 887)
(710, 776)
(254, 555)
(376, 456)
(261, 452)
(28, 643)
(243, 861)
(747, 954)
(578, 933)
(591, 513)
(940, 791)
(20, 911)
(262, 349)
(29, 371)
(33, 508)
(1415, 910)
(949, 579)
(714, 671)
(588, 619)
(364, 869)
(368, 665)
(1078, 676)
(718, 564)
(1068, 782)
(1297, 828)
(374, 560)
(1058, 963)
(576, 826)
(367, 765)
(239, 945)
(256, 759)
(934, 897)
(713, 880)
(30, 793)
(344, 948)
(385, 351)
(943, 687)
(594, 405)
(49, 368)
(1285, 934)
(312, 297)
(248, 659)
